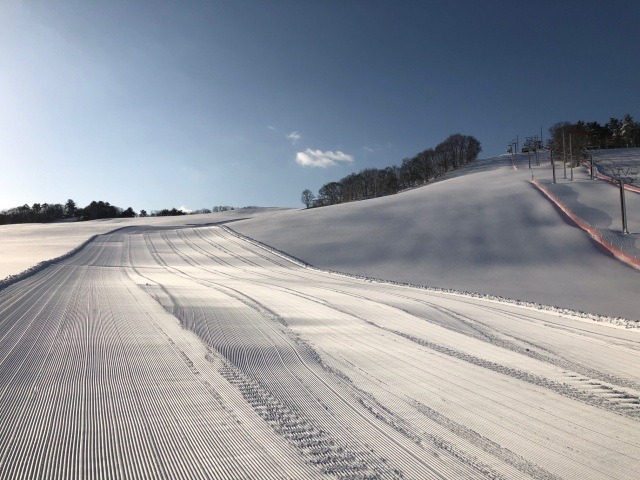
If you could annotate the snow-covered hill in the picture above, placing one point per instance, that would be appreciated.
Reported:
(177, 348)
(486, 229)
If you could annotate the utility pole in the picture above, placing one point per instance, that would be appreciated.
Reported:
(619, 174)
(570, 158)
(534, 142)
(553, 165)
(515, 142)
(623, 207)
(564, 157)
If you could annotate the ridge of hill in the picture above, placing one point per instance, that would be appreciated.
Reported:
(484, 229)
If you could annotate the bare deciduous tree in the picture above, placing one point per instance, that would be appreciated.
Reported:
(307, 198)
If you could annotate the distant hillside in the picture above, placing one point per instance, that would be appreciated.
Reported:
(484, 230)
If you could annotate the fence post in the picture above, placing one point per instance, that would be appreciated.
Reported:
(564, 157)
(570, 158)
(623, 207)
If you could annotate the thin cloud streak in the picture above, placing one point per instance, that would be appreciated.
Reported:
(320, 159)
(294, 137)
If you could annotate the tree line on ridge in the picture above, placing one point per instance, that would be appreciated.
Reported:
(454, 152)
(57, 212)
(615, 133)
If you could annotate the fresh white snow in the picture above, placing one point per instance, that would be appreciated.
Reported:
(179, 348)
(490, 232)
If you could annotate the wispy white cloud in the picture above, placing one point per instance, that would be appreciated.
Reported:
(294, 137)
(271, 127)
(318, 158)
(185, 209)
(377, 147)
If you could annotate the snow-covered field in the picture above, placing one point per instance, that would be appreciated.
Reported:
(179, 348)
(490, 231)
(24, 245)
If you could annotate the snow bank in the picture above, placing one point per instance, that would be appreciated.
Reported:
(11, 279)
(619, 321)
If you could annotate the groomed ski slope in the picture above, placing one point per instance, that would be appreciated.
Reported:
(484, 229)
(23, 246)
(179, 348)
(195, 353)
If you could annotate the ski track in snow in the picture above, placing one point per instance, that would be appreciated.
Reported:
(198, 353)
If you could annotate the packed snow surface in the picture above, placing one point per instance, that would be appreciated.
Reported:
(180, 348)
(486, 229)
(196, 353)
(22, 246)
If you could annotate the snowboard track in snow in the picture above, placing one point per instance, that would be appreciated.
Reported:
(199, 353)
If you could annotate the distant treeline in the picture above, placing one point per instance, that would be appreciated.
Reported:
(56, 212)
(615, 133)
(454, 152)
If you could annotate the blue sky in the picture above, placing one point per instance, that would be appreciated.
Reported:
(160, 104)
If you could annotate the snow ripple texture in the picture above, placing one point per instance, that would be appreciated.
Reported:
(197, 353)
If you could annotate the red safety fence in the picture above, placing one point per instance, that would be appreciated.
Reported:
(631, 188)
(616, 252)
